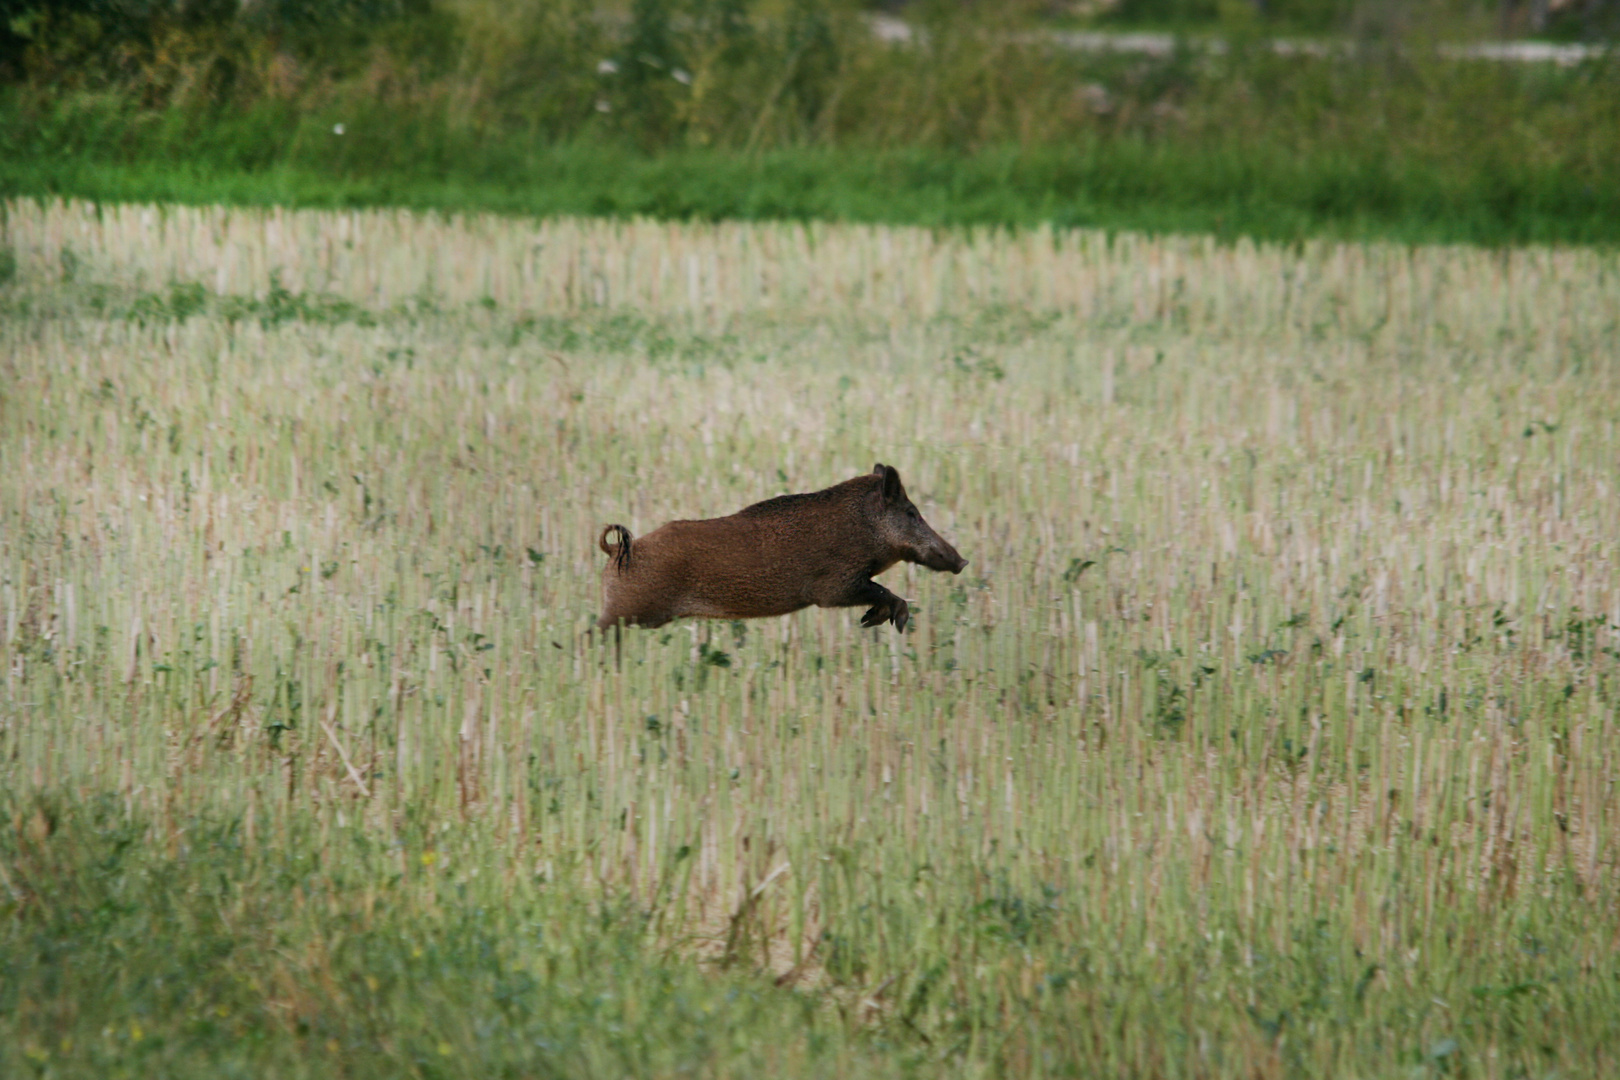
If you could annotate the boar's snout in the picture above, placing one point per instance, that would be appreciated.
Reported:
(944, 557)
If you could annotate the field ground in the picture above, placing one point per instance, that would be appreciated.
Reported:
(1271, 731)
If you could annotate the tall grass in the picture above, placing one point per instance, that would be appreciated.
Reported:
(1271, 730)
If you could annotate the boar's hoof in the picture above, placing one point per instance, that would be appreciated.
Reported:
(896, 611)
(902, 614)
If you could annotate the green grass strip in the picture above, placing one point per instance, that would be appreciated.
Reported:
(1126, 185)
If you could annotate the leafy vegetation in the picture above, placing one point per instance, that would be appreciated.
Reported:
(716, 109)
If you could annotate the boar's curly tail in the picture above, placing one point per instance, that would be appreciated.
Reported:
(620, 551)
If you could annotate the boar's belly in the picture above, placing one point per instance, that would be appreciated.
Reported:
(703, 605)
(724, 594)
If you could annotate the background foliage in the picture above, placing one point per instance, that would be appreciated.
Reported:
(675, 107)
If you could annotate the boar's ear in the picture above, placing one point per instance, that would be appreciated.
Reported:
(893, 490)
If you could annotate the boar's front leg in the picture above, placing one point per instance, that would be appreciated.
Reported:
(885, 605)
(895, 610)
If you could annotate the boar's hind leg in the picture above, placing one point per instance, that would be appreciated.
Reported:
(886, 606)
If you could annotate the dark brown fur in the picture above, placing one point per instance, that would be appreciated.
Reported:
(775, 557)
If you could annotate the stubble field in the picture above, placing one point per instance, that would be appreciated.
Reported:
(1271, 731)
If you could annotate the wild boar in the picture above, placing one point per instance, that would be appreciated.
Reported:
(775, 557)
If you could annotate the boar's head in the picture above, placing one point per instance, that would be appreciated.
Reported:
(901, 527)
